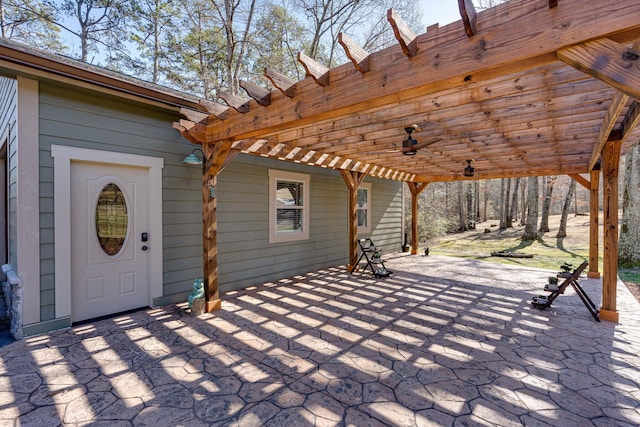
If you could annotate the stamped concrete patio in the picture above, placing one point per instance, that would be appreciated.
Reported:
(442, 342)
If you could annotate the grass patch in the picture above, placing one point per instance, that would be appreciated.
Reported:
(630, 275)
(548, 252)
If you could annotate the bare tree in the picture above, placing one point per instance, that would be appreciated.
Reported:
(562, 230)
(462, 212)
(548, 183)
(153, 22)
(629, 246)
(530, 227)
(523, 202)
(514, 204)
(26, 21)
(233, 15)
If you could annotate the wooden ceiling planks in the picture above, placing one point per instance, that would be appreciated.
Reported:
(518, 95)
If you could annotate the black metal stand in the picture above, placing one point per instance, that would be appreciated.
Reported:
(541, 302)
(370, 253)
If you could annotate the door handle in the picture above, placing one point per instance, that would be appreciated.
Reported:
(145, 247)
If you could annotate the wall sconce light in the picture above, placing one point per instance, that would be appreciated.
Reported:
(192, 159)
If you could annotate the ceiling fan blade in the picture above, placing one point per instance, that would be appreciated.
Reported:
(420, 145)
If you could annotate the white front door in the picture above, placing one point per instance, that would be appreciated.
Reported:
(110, 241)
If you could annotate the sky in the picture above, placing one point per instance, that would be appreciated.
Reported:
(442, 12)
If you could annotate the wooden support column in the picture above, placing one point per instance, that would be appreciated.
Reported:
(353, 180)
(610, 166)
(215, 158)
(415, 188)
(593, 225)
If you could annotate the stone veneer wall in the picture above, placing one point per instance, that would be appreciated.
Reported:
(12, 289)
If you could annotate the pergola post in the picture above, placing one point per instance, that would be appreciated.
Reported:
(353, 180)
(610, 166)
(593, 224)
(215, 158)
(415, 188)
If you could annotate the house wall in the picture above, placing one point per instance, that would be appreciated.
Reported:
(8, 107)
(77, 118)
(245, 255)
(73, 117)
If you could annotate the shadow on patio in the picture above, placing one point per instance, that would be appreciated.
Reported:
(443, 340)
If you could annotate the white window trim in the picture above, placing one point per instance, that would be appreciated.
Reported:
(366, 186)
(274, 176)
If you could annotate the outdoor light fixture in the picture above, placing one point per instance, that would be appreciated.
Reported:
(408, 143)
(468, 171)
(192, 159)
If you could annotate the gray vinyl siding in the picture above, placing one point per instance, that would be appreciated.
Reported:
(8, 106)
(245, 255)
(95, 121)
(88, 120)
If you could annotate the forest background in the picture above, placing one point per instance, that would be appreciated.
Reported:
(203, 46)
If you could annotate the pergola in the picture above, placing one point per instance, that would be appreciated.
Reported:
(526, 88)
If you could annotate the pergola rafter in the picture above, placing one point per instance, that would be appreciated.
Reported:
(526, 88)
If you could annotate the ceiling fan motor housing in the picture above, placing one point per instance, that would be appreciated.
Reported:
(407, 144)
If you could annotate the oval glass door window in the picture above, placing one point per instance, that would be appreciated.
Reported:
(112, 219)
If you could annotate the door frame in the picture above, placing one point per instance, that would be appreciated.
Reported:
(63, 156)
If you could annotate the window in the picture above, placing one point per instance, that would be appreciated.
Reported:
(363, 209)
(288, 206)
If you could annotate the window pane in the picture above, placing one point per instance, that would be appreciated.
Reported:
(289, 220)
(362, 197)
(111, 219)
(362, 217)
(289, 193)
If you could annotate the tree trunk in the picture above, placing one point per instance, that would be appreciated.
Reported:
(461, 210)
(514, 204)
(502, 207)
(486, 197)
(476, 206)
(562, 231)
(531, 225)
(546, 205)
(507, 205)
(471, 221)
(523, 202)
(629, 243)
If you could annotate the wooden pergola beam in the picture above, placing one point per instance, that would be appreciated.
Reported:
(611, 116)
(613, 63)
(355, 53)
(317, 71)
(238, 103)
(261, 95)
(193, 115)
(469, 17)
(218, 110)
(630, 121)
(580, 180)
(404, 34)
(392, 79)
(281, 82)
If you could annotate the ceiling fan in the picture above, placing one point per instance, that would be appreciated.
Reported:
(410, 146)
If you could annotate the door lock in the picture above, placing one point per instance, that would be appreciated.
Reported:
(144, 237)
